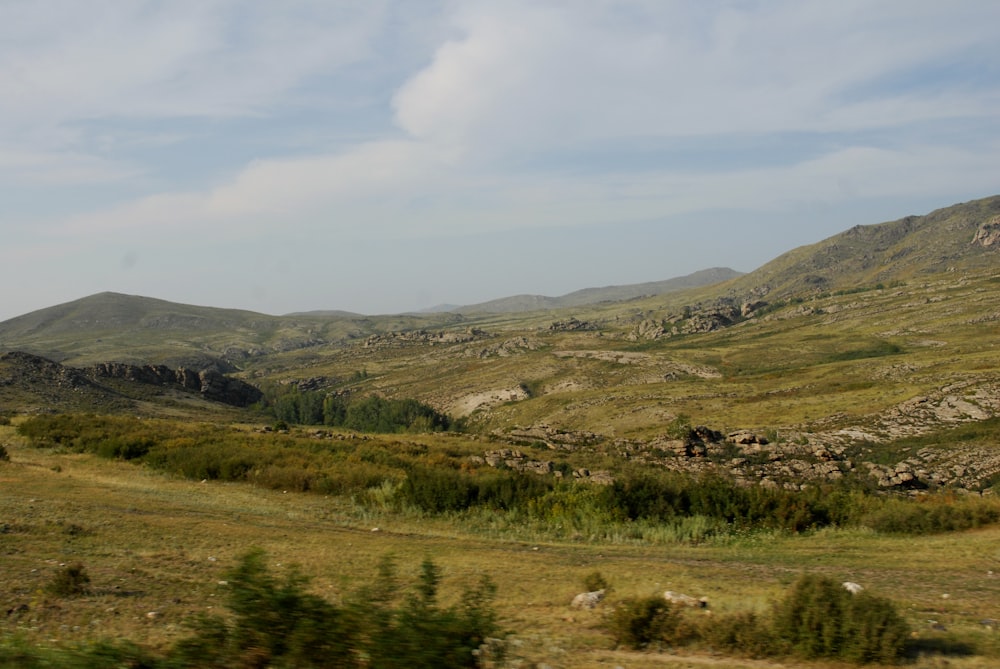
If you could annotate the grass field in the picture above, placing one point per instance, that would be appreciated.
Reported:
(156, 548)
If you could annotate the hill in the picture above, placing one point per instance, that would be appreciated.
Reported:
(836, 412)
(866, 333)
(136, 329)
(32, 384)
(143, 330)
(960, 238)
(591, 296)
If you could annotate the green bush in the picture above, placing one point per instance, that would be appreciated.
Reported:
(289, 405)
(418, 633)
(441, 489)
(820, 619)
(595, 581)
(649, 622)
(743, 633)
(277, 623)
(70, 581)
(932, 515)
(665, 496)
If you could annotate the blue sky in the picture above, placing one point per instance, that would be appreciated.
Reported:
(391, 155)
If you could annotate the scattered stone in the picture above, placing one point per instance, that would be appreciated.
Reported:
(588, 600)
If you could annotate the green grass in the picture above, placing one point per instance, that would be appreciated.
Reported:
(800, 371)
(154, 544)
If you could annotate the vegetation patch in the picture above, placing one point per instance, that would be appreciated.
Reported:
(363, 414)
(384, 473)
(277, 622)
(817, 619)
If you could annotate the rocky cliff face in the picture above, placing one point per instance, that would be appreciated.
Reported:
(212, 384)
(988, 234)
(33, 384)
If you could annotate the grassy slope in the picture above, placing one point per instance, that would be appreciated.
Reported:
(152, 544)
(842, 355)
(819, 364)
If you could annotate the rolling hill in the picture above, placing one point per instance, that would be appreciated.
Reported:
(857, 377)
(130, 328)
(953, 239)
(827, 340)
(590, 296)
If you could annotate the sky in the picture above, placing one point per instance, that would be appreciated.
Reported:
(382, 156)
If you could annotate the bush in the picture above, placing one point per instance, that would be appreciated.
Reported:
(70, 581)
(440, 489)
(4, 455)
(290, 405)
(276, 623)
(932, 515)
(648, 621)
(418, 633)
(595, 581)
(820, 619)
(742, 633)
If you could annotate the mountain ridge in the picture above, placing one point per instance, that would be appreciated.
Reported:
(588, 296)
(143, 330)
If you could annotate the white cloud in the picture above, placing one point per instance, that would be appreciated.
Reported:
(502, 110)
(530, 75)
(68, 60)
(67, 63)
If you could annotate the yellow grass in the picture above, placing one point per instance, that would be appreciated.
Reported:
(156, 545)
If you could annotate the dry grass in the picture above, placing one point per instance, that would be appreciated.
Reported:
(156, 545)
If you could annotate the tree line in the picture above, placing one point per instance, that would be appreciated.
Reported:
(292, 406)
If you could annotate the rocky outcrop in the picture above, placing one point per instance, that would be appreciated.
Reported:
(210, 383)
(988, 234)
(553, 438)
(506, 348)
(228, 390)
(647, 329)
(506, 458)
(156, 375)
(573, 325)
(25, 366)
(418, 337)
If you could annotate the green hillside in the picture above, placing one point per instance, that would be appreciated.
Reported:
(752, 444)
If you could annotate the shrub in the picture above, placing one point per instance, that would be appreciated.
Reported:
(742, 633)
(276, 623)
(419, 633)
(4, 455)
(875, 631)
(440, 489)
(70, 581)
(648, 621)
(819, 618)
(595, 581)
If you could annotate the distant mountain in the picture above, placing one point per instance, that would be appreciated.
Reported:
(440, 309)
(114, 312)
(143, 330)
(135, 329)
(324, 313)
(588, 296)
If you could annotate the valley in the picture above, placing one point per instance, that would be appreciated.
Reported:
(842, 403)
